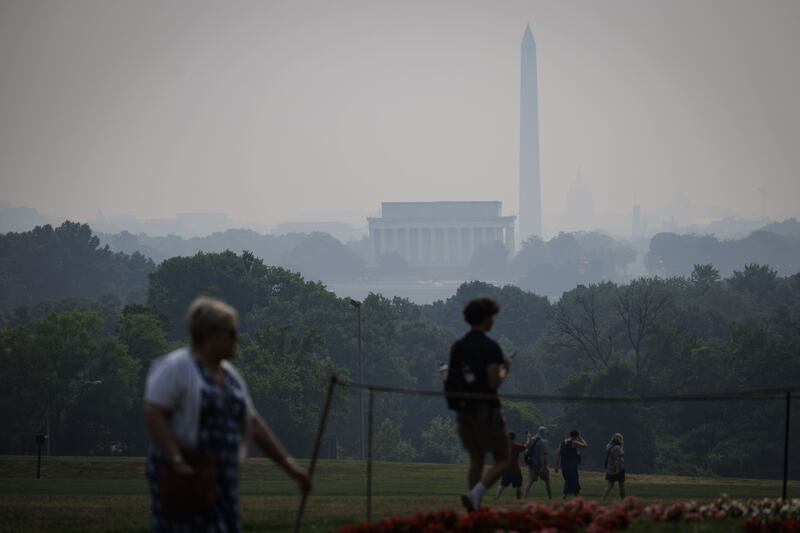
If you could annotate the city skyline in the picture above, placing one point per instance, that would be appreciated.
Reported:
(279, 113)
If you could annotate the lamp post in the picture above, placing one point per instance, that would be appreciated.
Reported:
(357, 305)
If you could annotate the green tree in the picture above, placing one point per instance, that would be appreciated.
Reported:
(704, 275)
(287, 383)
(321, 257)
(66, 262)
(440, 442)
(24, 383)
(390, 446)
(143, 332)
(639, 306)
(69, 375)
(597, 422)
(584, 318)
(757, 280)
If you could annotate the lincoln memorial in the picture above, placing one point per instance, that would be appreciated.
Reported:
(439, 233)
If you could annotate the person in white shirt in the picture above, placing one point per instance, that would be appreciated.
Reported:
(199, 414)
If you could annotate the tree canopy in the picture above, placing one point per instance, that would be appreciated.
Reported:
(77, 354)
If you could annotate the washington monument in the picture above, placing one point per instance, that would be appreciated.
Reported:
(530, 190)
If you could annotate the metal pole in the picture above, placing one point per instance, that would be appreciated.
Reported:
(369, 454)
(48, 429)
(39, 461)
(317, 444)
(361, 391)
(786, 446)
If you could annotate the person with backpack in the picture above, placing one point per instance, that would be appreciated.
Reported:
(568, 459)
(477, 366)
(615, 465)
(513, 475)
(535, 458)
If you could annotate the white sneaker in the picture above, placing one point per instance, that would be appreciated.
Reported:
(470, 503)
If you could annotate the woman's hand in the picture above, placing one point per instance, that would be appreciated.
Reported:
(182, 468)
(272, 447)
(300, 477)
(179, 466)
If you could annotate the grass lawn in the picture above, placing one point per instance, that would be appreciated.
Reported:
(110, 494)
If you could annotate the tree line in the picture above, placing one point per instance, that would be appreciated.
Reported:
(79, 360)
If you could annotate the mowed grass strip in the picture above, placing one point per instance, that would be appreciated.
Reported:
(110, 494)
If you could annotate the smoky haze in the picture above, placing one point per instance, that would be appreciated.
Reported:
(276, 111)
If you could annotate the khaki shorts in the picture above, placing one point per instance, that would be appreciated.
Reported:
(535, 474)
(483, 430)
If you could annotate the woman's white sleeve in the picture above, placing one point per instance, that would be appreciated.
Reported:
(163, 387)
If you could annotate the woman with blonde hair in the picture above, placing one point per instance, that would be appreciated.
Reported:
(199, 415)
(615, 465)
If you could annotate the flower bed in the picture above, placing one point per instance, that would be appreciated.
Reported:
(581, 515)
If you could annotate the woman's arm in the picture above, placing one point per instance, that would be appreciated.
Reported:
(156, 418)
(580, 443)
(272, 448)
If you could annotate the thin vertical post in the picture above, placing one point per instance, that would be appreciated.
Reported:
(47, 443)
(39, 460)
(786, 446)
(369, 453)
(317, 444)
(360, 391)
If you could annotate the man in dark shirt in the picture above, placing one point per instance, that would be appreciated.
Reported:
(481, 424)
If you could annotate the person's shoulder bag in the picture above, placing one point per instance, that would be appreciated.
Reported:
(189, 494)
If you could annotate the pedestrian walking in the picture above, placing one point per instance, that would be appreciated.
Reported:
(568, 459)
(477, 366)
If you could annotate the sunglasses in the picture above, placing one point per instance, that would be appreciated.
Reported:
(233, 333)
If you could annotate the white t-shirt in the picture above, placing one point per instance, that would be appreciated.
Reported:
(174, 382)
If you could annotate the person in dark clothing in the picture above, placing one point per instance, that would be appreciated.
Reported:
(479, 362)
(513, 475)
(568, 459)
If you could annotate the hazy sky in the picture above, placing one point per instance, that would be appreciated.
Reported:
(273, 111)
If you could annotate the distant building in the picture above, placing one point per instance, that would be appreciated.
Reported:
(340, 230)
(439, 233)
(530, 187)
(202, 224)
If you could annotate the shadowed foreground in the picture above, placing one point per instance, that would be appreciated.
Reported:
(102, 494)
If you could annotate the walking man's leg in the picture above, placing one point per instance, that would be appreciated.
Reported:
(622, 490)
(609, 486)
(531, 481)
(476, 458)
(472, 500)
(547, 486)
(501, 456)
